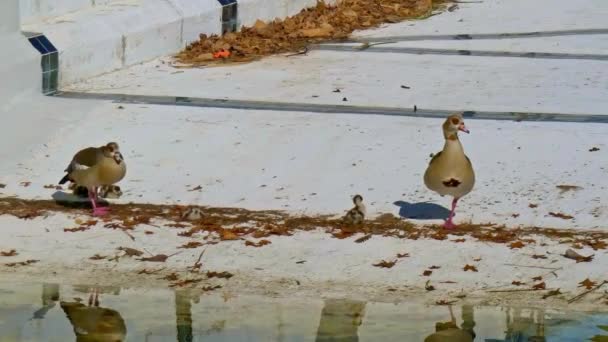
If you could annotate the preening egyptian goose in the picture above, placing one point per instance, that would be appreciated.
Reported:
(450, 171)
(96, 166)
(357, 214)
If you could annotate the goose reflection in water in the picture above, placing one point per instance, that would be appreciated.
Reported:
(93, 323)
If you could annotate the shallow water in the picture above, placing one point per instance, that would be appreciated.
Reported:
(51, 312)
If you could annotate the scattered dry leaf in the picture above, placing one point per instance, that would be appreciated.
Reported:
(227, 235)
(185, 282)
(427, 273)
(257, 244)
(428, 286)
(386, 264)
(517, 283)
(211, 288)
(147, 232)
(10, 253)
(468, 267)
(594, 149)
(342, 234)
(403, 255)
(539, 256)
(445, 302)
(459, 240)
(477, 259)
(191, 244)
(565, 188)
(198, 188)
(448, 282)
(539, 278)
(156, 258)
(171, 277)
(77, 229)
(434, 267)
(21, 263)
(533, 205)
(552, 293)
(130, 251)
(2, 186)
(97, 257)
(25, 184)
(539, 286)
(587, 283)
(517, 244)
(363, 238)
(561, 215)
(222, 275)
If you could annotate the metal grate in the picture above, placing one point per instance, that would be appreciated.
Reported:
(49, 61)
(229, 16)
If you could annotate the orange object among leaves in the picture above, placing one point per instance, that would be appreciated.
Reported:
(223, 53)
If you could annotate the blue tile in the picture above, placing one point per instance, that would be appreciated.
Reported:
(226, 2)
(49, 46)
(38, 45)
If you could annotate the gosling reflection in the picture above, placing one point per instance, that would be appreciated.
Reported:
(93, 323)
(450, 332)
(525, 327)
(340, 320)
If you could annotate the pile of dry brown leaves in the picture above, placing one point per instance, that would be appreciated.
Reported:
(312, 25)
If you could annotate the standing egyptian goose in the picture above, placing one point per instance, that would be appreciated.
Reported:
(94, 167)
(450, 171)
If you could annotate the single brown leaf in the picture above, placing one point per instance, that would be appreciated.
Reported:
(130, 251)
(147, 232)
(594, 149)
(517, 283)
(25, 184)
(539, 286)
(257, 244)
(211, 288)
(156, 258)
(171, 277)
(222, 275)
(198, 188)
(2, 186)
(191, 244)
(561, 215)
(428, 286)
(459, 240)
(445, 302)
(385, 264)
(427, 273)
(448, 282)
(10, 253)
(516, 244)
(477, 259)
(363, 238)
(77, 229)
(533, 205)
(342, 234)
(227, 235)
(539, 278)
(552, 293)
(587, 283)
(186, 282)
(434, 267)
(468, 267)
(97, 257)
(403, 255)
(539, 256)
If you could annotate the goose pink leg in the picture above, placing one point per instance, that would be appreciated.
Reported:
(97, 211)
(448, 223)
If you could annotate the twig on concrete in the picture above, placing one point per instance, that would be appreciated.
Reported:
(303, 52)
(531, 266)
(587, 292)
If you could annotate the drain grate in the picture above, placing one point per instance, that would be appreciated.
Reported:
(49, 61)
(229, 16)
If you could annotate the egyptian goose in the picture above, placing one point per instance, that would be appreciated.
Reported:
(93, 323)
(96, 166)
(357, 214)
(450, 171)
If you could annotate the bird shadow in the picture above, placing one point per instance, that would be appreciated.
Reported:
(68, 200)
(422, 210)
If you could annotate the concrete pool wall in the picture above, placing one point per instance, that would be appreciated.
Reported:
(98, 36)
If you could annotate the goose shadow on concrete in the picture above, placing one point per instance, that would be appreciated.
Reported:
(69, 200)
(422, 210)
